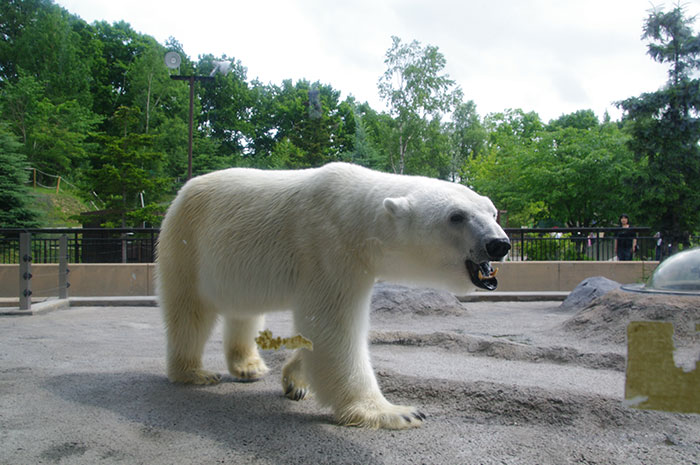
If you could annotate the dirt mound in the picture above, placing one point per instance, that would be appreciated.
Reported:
(506, 350)
(606, 318)
(494, 403)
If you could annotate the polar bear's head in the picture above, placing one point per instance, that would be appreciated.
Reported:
(446, 236)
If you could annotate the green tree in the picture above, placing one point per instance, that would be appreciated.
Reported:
(497, 172)
(54, 136)
(151, 84)
(665, 130)
(416, 91)
(570, 172)
(467, 136)
(120, 45)
(20, 103)
(366, 151)
(308, 116)
(48, 43)
(226, 105)
(577, 171)
(375, 138)
(431, 152)
(164, 110)
(15, 198)
(128, 170)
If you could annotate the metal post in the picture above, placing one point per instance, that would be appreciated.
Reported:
(123, 247)
(191, 80)
(189, 145)
(63, 270)
(76, 249)
(25, 271)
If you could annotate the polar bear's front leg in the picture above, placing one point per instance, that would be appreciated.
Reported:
(355, 396)
(339, 371)
(242, 356)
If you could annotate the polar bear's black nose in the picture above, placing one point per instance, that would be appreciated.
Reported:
(497, 248)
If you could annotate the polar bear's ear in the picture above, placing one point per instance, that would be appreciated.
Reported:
(397, 206)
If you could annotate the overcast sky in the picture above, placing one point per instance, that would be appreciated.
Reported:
(549, 56)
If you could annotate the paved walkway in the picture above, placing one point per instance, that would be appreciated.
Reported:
(86, 385)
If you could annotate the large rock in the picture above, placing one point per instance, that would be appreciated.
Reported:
(587, 291)
(393, 298)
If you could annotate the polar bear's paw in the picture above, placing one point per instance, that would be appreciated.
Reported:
(294, 388)
(294, 385)
(194, 376)
(247, 369)
(386, 415)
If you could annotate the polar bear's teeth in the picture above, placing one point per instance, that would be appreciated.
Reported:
(492, 274)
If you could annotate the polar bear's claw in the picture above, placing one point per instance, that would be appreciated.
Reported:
(294, 392)
(390, 417)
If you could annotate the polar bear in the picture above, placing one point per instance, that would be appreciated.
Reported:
(242, 242)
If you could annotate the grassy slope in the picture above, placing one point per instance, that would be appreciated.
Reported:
(56, 210)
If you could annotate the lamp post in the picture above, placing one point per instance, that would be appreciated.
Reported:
(191, 80)
(172, 61)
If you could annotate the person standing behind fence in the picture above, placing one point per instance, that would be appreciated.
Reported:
(659, 246)
(626, 241)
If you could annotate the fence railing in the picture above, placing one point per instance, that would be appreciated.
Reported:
(26, 272)
(538, 244)
(85, 245)
(137, 245)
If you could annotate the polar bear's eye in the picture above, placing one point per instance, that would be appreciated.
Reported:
(457, 218)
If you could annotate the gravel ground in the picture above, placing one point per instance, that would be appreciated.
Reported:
(501, 383)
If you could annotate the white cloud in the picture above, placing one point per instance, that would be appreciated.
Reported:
(548, 56)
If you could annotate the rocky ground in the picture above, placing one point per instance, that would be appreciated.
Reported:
(501, 383)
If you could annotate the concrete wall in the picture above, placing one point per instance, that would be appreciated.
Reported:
(88, 280)
(565, 276)
(91, 280)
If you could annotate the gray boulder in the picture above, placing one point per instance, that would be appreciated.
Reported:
(587, 291)
(393, 298)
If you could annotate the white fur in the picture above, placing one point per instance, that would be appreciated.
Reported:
(242, 242)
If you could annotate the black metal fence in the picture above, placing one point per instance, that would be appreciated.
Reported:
(97, 245)
(578, 244)
(85, 245)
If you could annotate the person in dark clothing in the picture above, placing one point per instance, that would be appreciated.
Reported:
(626, 241)
(659, 246)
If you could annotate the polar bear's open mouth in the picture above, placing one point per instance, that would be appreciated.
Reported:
(483, 275)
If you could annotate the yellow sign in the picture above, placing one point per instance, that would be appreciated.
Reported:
(653, 379)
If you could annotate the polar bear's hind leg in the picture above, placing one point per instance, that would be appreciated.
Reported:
(188, 323)
(294, 383)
